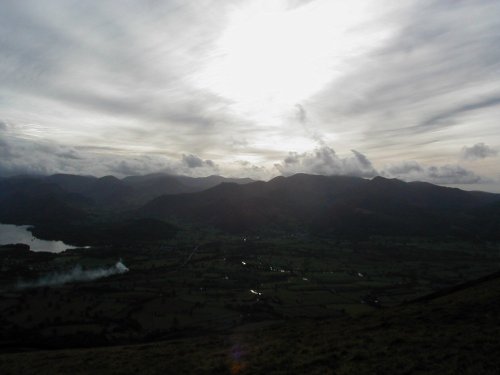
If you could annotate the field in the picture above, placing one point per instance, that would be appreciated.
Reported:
(192, 287)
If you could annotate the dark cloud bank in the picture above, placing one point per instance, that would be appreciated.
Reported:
(31, 157)
(41, 157)
(325, 161)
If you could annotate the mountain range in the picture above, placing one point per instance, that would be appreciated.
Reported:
(334, 205)
(326, 205)
(31, 199)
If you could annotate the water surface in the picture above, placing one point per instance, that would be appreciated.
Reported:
(20, 234)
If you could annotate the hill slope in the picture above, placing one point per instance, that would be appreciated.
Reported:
(456, 332)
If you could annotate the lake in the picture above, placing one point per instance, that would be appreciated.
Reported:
(20, 234)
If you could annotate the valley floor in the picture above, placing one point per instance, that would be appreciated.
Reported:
(456, 333)
(256, 306)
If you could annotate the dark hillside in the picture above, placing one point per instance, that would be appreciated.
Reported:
(336, 205)
(454, 333)
(38, 202)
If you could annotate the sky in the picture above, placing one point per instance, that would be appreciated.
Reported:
(252, 88)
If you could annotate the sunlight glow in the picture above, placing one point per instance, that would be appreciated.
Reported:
(270, 57)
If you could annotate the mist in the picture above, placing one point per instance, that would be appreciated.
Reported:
(77, 274)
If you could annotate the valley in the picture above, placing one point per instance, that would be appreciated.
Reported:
(327, 267)
(187, 287)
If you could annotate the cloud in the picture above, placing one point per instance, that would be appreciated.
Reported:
(41, 157)
(239, 142)
(22, 156)
(324, 160)
(302, 118)
(244, 168)
(478, 151)
(69, 154)
(5, 151)
(297, 3)
(113, 68)
(80, 77)
(34, 156)
(447, 116)
(193, 161)
(404, 168)
(133, 165)
(441, 175)
(435, 79)
(301, 113)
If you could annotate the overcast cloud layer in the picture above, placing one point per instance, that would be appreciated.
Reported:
(409, 89)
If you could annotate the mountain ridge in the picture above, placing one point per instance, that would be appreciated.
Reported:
(333, 204)
(301, 203)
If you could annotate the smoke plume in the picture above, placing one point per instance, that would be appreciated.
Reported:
(77, 274)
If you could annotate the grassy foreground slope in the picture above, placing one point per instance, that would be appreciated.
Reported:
(451, 333)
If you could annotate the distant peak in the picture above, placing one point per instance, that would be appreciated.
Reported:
(384, 180)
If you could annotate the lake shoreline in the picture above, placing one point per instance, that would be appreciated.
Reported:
(23, 234)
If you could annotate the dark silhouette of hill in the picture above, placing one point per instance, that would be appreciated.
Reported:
(333, 205)
(72, 217)
(112, 193)
(282, 203)
(154, 185)
(202, 183)
(72, 183)
(27, 200)
(107, 192)
(87, 210)
(113, 231)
